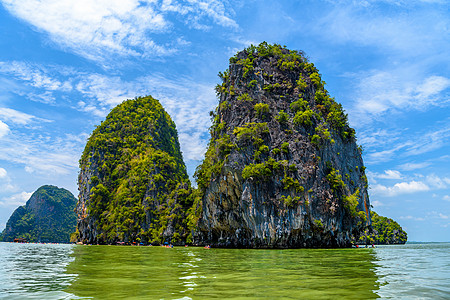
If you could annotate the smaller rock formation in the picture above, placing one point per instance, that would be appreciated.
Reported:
(47, 217)
(385, 231)
(133, 182)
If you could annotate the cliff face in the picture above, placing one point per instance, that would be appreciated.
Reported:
(133, 183)
(282, 167)
(48, 216)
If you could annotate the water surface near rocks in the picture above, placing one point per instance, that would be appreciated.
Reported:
(412, 271)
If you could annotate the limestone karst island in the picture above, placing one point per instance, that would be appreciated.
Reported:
(282, 168)
(47, 217)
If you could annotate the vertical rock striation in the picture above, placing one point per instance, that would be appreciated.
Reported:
(282, 167)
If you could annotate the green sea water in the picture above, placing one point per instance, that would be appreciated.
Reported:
(411, 271)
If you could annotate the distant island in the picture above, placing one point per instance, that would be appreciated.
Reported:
(47, 217)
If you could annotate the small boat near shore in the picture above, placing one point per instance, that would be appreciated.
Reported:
(20, 240)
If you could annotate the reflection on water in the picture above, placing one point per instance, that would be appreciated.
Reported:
(107, 272)
(32, 271)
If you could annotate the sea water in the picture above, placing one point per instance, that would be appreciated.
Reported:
(37, 271)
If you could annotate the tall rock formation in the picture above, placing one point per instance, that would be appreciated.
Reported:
(282, 167)
(133, 182)
(48, 216)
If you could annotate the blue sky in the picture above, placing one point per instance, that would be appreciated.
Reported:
(64, 64)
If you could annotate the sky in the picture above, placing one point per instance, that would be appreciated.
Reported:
(65, 64)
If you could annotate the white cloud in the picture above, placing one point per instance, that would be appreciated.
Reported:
(442, 216)
(384, 155)
(437, 181)
(446, 198)
(3, 173)
(377, 203)
(187, 101)
(429, 141)
(108, 90)
(412, 45)
(402, 89)
(399, 188)
(390, 174)
(103, 28)
(17, 117)
(35, 75)
(431, 87)
(41, 153)
(5, 182)
(39, 84)
(16, 199)
(417, 144)
(386, 28)
(371, 138)
(4, 129)
(412, 218)
(414, 166)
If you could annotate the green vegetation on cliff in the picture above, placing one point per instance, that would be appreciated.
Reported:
(133, 181)
(48, 216)
(384, 231)
(319, 116)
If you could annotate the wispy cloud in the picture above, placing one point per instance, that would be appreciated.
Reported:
(406, 49)
(5, 182)
(187, 101)
(36, 75)
(437, 182)
(363, 23)
(377, 137)
(430, 141)
(406, 144)
(41, 154)
(17, 117)
(3, 173)
(412, 218)
(98, 30)
(15, 200)
(379, 92)
(377, 203)
(4, 129)
(399, 188)
(420, 183)
(414, 166)
(375, 157)
(390, 174)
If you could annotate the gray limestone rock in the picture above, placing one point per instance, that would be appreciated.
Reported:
(283, 169)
